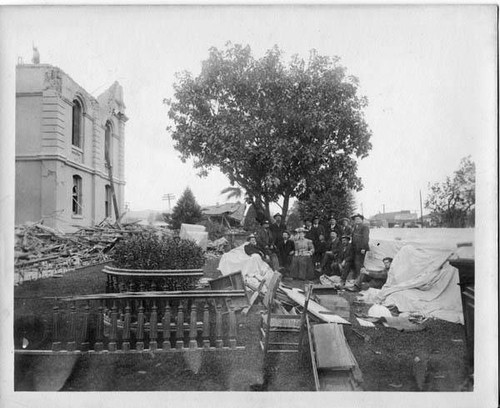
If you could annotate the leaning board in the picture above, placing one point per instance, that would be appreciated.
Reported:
(314, 308)
(332, 351)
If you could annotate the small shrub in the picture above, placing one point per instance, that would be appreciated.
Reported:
(149, 251)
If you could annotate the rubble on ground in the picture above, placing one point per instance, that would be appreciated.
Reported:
(42, 251)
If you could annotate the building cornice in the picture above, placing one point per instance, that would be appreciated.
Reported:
(28, 94)
(68, 162)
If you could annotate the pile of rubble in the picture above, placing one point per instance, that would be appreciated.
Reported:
(215, 249)
(41, 251)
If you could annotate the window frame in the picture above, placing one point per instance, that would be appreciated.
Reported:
(76, 196)
(108, 197)
(108, 142)
(77, 114)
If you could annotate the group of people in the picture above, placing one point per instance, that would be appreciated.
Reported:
(316, 249)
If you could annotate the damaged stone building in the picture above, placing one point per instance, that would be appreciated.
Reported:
(63, 136)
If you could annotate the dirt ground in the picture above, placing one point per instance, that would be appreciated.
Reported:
(386, 361)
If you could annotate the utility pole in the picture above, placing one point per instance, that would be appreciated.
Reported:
(168, 197)
(421, 211)
(383, 208)
(362, 209)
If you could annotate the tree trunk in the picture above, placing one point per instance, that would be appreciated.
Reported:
(286, 202)
(267, 210)
(260, 212)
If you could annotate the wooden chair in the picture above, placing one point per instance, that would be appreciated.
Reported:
(278, 326)
(274, 325)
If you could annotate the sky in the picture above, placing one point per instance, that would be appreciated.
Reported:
(427, 72)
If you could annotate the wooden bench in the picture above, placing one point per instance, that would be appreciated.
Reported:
(334, 366)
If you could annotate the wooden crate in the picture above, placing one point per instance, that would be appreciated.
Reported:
(327, 297)
(232, 281)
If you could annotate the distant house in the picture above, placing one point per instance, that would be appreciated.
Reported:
(63, 135)
(403, 218)
(229, 214)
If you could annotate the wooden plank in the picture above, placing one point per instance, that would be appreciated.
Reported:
(337, 304)
(132, 351)
(313, 307)
(313, 355)
(188, 294)
(34, 261)
(272, 287)
(336, 381)
(232, 280)
(253, 298)
(332, 351)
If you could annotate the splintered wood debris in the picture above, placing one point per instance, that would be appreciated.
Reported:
(41, 251)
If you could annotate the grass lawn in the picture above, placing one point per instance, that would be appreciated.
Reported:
(386, 361)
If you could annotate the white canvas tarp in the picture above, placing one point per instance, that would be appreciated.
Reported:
(388, 241)
(421, 280)
(195, 233)
(253, 268)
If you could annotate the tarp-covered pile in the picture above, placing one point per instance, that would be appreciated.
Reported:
(420, 280)
(253, 268)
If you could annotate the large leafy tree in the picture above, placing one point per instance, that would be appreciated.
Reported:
(452, 203)
(186, 210)
(277, 130)
(339, 204)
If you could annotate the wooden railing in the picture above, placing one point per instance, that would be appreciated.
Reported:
(136, 280)
(151, 321)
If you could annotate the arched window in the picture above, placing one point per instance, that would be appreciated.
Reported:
(107, 141)
(107, 201)
(76, 195)
(76, 136)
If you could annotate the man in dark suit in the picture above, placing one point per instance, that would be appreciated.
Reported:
(316, 230)
(332, 254)
(333, 226)
(277, 227)
(344, 262)
(359, 243)
(252, 248)
(265, 240)
(374, 279)
(309, 234)
(286, 249)
(345, 228)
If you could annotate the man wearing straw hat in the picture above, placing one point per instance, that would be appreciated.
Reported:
(345, 228)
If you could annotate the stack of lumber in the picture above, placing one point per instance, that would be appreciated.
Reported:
(40, 249)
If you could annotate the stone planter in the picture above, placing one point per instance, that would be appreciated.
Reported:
(142, 280)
